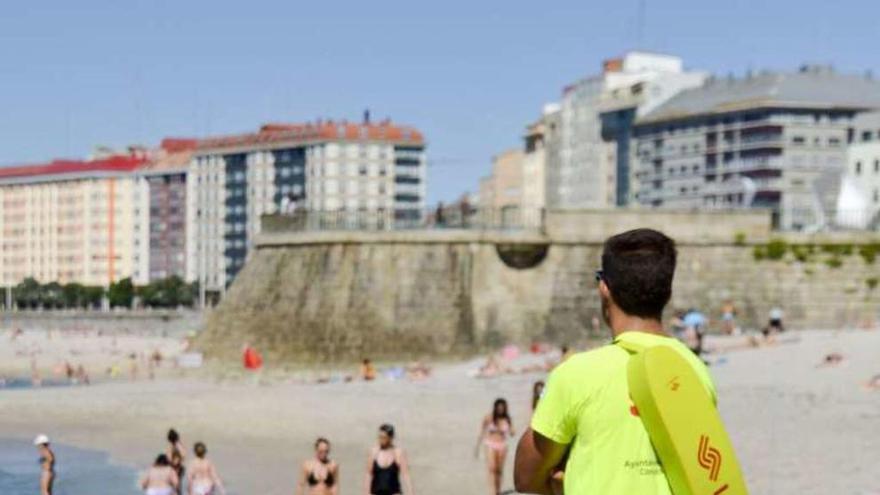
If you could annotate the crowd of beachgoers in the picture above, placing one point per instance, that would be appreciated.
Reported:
(90, 357)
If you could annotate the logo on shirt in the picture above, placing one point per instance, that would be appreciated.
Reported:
(634, 410)
(673, 384)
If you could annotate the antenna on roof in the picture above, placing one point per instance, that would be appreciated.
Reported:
(640, 24)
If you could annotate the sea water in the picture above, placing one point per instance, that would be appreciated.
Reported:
(78, 471)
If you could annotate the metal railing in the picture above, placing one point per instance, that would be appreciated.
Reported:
(452, 217)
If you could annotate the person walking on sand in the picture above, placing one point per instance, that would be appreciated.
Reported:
(494, 430)
(319, 474)
(160, 479)
(586, 435)
(176, 456)
(387, 467)
(202, 478)
(537, 392)
(728, 318)
(47, 465)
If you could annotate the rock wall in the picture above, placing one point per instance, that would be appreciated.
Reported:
(323, 297)
(141, 322)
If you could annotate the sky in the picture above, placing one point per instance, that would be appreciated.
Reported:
(470, 74)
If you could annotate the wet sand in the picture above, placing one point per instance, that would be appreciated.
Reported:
(796, 426)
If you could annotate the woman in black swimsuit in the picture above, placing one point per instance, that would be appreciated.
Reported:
(47, 465)
(320, 474)
(387, 466)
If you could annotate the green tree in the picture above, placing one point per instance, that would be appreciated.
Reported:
(121, 293)
(73, 295)
(28, 293)
(93, 296)
(52, 295)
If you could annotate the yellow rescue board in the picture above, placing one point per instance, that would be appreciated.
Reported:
(683, 424)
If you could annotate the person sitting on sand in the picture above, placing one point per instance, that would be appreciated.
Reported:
(368, 371)
(774, 325)
(418, 371)
(47, 464)
(202, 478)
(387, 467)
(161, 478)
(830, 360)
(319, 474)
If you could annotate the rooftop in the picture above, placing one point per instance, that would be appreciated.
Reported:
(73, 168)
(316, 131)
(812, 87)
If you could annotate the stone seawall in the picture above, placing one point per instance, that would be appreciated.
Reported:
(157, 322)
(340, 296)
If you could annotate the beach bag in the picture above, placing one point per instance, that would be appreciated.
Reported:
(682, 421)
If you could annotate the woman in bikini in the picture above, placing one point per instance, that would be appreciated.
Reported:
(494, 432)
(387, 467)
(203, 478)
(175, 456)
(47, 465)
(161, 479)
(319, 474)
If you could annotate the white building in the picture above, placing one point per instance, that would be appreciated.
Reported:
(775, 140)
(83, 221)
(359, 174)
(590, 165)
(858, 204)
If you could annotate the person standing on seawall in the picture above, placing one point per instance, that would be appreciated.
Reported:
(47, 464)
(586, 435)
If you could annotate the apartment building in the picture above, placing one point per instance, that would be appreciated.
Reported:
(74, 221)
(501, 193)
(359, 172)
(588, 162)
(534, 190)
(858, 205)
(774, 140)
(165, 177)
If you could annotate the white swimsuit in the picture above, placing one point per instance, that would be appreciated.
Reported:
(160, 491)
(202, 488)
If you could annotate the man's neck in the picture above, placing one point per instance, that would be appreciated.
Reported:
(622, 322)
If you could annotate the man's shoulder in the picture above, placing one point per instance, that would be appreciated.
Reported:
(593, 360)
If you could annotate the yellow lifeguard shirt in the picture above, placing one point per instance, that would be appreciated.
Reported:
(586, 405)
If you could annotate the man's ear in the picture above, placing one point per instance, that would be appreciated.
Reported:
(604, 290)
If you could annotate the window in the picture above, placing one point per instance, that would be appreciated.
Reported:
(876, 166)
(798, 140)
(858, 168)
(834, 142)
(877, 195)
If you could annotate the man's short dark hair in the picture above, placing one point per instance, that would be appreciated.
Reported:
(637, 267)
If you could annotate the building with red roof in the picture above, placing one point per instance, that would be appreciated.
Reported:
(73, 220)
(366, 172)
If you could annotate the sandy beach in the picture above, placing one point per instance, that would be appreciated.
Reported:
(798, 428)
